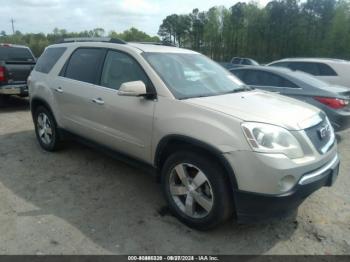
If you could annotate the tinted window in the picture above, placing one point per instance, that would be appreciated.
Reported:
(8, 53)
(310, 68)
(280, 64)
(48, 59)
(85, 65)
(239, 74)
(120, 68)
(316, 69)
(326, 70)
(259, 78)
(249, 62)
(236, 60)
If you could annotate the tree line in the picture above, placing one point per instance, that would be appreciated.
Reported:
(38, 42)
(283, 28)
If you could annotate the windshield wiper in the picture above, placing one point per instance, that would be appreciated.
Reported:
(238, 90)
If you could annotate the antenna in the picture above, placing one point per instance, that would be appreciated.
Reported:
(13, 25)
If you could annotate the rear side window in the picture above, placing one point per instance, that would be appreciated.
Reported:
(316, 69)
(120, 68)
(48, 59)
(310, 68)
(259, 78)
(85, 65)
(9, 53)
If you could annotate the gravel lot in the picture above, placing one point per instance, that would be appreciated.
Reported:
(79, 201)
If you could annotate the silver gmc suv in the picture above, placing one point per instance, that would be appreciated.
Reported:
(219, 148)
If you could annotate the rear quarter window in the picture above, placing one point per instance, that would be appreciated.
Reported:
(326, 70)
(48, 59)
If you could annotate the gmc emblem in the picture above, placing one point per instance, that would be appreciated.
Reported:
(324, 132)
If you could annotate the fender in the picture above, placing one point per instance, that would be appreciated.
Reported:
(199, 144)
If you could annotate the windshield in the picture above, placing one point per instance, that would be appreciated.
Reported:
(15, 54)
(193, 75)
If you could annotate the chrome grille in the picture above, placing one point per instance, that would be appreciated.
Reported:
(321, 135)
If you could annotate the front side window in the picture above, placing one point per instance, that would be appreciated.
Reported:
(85, 65)
(48, 59)
(120, 68)
(193, 75)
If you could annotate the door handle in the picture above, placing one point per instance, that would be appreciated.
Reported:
(59, 90)
(98, 101)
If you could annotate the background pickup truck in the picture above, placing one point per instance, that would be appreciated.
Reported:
(16, 63)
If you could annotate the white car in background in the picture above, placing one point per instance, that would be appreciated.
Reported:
(333, 71)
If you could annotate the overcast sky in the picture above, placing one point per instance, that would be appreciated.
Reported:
(74, 15)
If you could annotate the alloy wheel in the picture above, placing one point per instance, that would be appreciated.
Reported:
(191, 190)
(44, 128)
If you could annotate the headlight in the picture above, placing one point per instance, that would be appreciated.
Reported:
(265, 138)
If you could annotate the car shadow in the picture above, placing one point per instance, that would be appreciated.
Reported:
(118, 207)
(13, 104)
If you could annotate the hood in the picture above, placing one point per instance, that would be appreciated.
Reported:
(263, 107)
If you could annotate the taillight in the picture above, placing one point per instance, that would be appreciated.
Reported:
(334, 103)
(2, 74)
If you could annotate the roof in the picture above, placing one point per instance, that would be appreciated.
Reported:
(150, 48)
(141, 47)
(312, 59)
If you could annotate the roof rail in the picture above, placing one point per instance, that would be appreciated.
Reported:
(156, 43)
(93, 39)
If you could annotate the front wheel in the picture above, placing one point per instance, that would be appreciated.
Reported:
(197, 190)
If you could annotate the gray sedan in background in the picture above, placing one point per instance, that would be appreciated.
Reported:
(333, 100)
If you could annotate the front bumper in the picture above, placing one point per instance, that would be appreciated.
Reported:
(18, 89)
(254, 207)
(340, 120)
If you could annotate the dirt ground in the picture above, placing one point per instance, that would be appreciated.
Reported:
(79, 201)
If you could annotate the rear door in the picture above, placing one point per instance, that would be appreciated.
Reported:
(74, 88)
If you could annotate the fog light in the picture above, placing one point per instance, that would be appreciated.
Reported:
(287, 183)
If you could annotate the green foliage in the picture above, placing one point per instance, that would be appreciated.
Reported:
(134, 35)
(283, 28)
(38, 42)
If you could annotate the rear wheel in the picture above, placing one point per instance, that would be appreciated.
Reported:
(196, 189)
(46, 129)
(4, 99)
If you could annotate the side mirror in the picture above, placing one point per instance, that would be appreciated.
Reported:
(135, 88)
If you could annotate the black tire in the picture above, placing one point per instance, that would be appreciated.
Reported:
(4, 99)
(55, 141)
(222, 203)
